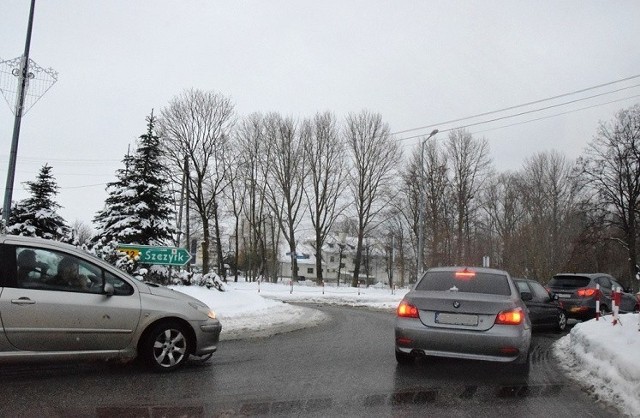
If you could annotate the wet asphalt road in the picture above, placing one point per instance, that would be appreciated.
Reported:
(344, 367)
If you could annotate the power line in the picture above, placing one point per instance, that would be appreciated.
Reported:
(528, 112)
(64, 160)
(558, 114)
(516, 106)
(84, 186)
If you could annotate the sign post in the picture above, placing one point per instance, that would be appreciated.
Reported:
(147, 254)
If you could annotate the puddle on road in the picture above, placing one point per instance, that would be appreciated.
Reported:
(401, 398)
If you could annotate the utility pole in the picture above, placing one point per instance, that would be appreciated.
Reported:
(31, 82)
(22, 81)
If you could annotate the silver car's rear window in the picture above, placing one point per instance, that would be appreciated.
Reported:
(477, 282)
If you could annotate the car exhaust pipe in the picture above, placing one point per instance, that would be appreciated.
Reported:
(418, 354)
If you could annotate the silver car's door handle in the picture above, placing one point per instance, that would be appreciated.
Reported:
(23, 301)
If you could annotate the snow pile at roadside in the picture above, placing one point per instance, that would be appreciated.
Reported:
(377, 296)
(249, 315)
(252, 309)
(605, 359)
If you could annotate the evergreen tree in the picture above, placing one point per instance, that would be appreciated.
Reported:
(117, 214)
(138, 209)
(37, 215)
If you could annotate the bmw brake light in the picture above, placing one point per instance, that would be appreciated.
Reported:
(512, 317)
(465, 274)
(407, 310)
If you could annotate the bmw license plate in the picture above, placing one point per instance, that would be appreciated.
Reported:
(456, 319)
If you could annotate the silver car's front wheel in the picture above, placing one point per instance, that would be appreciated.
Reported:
(167, 346)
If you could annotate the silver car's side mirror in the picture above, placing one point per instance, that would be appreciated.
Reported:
(108, 289)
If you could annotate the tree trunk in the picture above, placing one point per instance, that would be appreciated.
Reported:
(221, 270)
(205, 245)
(357, 262)
(319, 275)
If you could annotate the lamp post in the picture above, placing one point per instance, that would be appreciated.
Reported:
(421, 208)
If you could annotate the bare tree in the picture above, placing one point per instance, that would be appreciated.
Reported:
(285, 184)
(610, 169)
(82, 232)
(396, 229)
(470, 163)
(255, 153)
(505, 215)
(374, 157)
(548, 196)
(431, 179)
(436, 204)
(236, 195)
(196, 127)
(326, 162)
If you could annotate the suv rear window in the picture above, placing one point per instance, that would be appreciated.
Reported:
(475, 282)
(569, 282)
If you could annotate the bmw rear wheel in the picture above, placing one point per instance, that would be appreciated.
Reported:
(403, 358)
(167, 347)
(562, 321)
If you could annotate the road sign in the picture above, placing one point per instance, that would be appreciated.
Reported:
(147, 254)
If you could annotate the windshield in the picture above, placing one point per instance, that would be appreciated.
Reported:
(465, 281)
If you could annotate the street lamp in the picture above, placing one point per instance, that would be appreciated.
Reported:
(421, 208)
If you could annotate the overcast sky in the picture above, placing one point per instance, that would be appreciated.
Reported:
(417, 63)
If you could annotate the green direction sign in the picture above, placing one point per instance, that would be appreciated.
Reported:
(168, 256)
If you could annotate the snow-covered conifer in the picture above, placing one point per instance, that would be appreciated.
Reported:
(36, 216)
(138, 209)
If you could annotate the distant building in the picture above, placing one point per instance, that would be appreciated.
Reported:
(338, 257)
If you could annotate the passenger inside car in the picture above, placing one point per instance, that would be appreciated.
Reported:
(28, 267)
(69, 275)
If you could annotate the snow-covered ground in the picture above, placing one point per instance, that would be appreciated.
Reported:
(603, 357)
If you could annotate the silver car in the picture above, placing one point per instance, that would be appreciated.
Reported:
(60, 303)
(463, 312)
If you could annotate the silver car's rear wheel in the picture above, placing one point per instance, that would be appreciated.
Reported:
(167, 346)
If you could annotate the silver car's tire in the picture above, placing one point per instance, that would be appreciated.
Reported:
(167, 347)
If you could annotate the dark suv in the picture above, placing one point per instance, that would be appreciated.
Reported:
(577, 292)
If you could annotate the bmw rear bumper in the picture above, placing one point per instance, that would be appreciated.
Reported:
(500, 343)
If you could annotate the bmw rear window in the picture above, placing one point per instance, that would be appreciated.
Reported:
(569, 282)
(465, 281)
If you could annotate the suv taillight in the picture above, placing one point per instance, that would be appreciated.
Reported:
(586, 293)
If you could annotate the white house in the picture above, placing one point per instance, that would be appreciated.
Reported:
(337, 259)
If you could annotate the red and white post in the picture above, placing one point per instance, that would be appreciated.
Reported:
(597, 302)
(616, 298)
